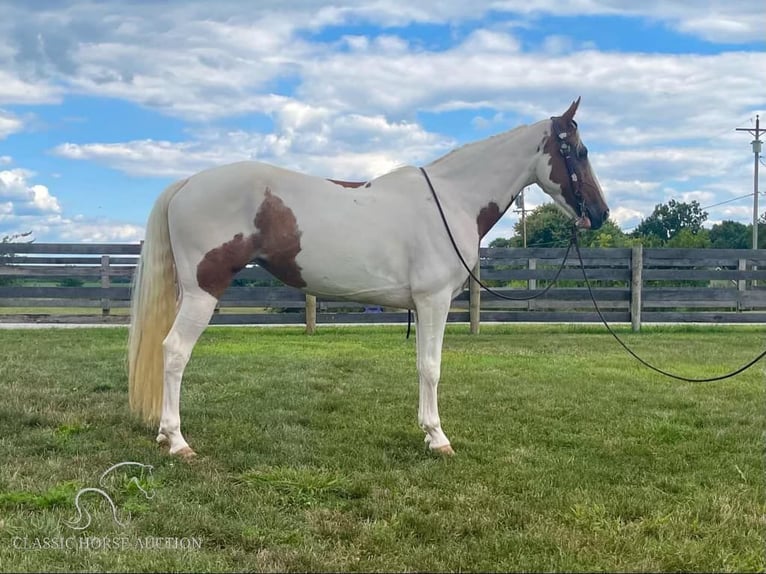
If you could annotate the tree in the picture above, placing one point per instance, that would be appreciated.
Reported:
(608, 235)
(731, 235)
(502, 242)
(761, 232)
(547, 226)
(686, 238)
(668, 219)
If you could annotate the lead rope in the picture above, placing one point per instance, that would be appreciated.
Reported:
(631, 352)
(467, 268)
(471, 273)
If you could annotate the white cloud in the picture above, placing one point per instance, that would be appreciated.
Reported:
(81, 229)
(17, 90)
(557, 44)
(9, 124)
(77, 229)
(188, 60)
(26, 198)
(490, 41)
(312, 140)
(717, 27)
(626, 217)
(28, 206)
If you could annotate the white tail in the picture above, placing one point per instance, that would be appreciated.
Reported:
(153, 310)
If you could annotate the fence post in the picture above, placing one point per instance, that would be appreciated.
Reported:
(531, 283)
(741, 283)
(311, 314)
(106, 304)
(474, 299)
(636, 284)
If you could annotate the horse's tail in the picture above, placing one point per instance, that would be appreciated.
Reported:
(153, 310)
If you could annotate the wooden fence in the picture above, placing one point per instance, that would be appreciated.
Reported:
(90, 283)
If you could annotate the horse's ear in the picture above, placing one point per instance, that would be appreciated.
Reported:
(568, 115)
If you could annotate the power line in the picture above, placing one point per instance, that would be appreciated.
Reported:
(727, 201)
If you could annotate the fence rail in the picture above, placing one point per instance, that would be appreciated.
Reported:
(87, 283)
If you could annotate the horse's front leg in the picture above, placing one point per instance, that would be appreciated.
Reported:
(431, 316)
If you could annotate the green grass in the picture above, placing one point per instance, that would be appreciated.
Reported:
(570, 455)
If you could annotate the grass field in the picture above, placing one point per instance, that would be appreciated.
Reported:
(570, 455)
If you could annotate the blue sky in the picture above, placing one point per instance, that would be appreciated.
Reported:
(102, 104)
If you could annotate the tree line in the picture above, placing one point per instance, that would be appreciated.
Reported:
(671, 224)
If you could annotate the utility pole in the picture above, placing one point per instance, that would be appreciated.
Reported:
(756, 143)
(522, 209)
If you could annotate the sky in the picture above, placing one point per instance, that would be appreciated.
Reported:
(104, 103)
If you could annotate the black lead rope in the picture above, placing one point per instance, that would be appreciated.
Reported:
(632, 353)
(467, 268)
(471, 273)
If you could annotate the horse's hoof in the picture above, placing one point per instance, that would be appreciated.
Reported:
(186, 453)
(445, 450)
(162, 439)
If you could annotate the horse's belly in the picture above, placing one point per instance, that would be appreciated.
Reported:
(354, 278)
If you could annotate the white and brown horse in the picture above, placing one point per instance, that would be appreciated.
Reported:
(380, 242)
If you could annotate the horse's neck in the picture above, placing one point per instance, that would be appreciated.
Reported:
(494, 170)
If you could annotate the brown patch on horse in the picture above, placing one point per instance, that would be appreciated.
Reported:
(488, 216)
(278, 240)
(350, 184)
(559, 172)
(220, 265)
(274, 245)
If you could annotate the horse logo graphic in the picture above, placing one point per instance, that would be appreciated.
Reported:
(146, 473)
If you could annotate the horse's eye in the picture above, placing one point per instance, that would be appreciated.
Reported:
(582, 153)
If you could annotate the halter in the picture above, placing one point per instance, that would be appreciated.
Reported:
(575, 184)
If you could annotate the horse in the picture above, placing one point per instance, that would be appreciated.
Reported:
(380, 242)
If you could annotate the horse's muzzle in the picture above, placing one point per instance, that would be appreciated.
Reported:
(592, 218)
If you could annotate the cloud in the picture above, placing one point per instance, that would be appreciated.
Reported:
(23, 198)
(668, 163)
(27, 206)
(626, 217)
(80, 229)
(77, 229)
(17, 90)
(189, 60)
(9, 124)
(309, 139)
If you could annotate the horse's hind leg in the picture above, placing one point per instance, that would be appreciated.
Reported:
(431, 317)
(193, 316)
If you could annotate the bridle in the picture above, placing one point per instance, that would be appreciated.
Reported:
(575, 183)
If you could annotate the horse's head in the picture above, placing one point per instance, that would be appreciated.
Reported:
(564, 172)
